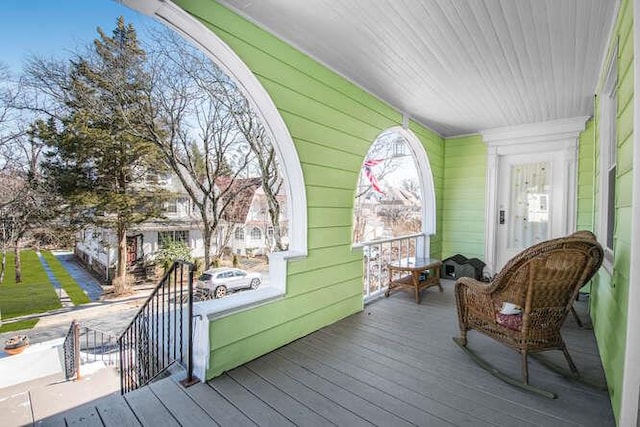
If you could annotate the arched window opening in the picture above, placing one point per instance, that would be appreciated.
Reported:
(388, 200)
(294, 213)
(394, 208)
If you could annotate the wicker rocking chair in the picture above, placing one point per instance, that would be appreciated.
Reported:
(526, 304)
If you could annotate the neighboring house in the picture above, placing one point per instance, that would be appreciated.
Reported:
(245, 229)
(378, 217)
(248, 229)
(97, 246)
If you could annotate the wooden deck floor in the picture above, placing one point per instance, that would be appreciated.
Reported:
(394, 364)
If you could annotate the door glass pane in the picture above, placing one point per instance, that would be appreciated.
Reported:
(529, 204)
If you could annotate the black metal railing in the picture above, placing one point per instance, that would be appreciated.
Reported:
(98, 346)
(87, 345)
(71, 350)
(161, 333)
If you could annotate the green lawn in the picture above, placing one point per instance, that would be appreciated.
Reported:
(67, 282)
(18, 326)
(34, 295)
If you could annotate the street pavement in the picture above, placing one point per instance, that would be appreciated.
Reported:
(107, 316)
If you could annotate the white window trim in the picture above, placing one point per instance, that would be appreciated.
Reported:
(253, 229)
(223, 56)
(605, 122)
(425, 176)
(238, 233)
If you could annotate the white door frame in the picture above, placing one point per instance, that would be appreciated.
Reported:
(557, 135)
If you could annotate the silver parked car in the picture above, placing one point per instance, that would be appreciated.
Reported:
(217, 281)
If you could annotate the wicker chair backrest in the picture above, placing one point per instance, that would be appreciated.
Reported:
(550, 273)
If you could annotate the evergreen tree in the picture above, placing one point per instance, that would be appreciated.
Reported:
(95, 158)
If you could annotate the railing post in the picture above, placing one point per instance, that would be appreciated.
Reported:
(122, 362)
(76, 348)
(190, 380)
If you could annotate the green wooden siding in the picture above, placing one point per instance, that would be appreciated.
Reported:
(609, 299)
(463, 197)
(586, 168)
(333, 123)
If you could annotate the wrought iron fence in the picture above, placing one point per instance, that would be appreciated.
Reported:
(379, 253)
(71, 350)
(98, 346)
(86, 345)
(161, 333)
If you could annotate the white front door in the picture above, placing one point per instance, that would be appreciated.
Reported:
(530, 202)
(554, 143)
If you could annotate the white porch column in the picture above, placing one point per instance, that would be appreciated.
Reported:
(629, 406)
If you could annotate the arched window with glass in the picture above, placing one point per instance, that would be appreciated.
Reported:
(394, 207)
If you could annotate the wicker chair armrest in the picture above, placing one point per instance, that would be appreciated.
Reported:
(475, 286)
(474, 298)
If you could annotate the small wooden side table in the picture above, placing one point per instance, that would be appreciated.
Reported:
(411, 282)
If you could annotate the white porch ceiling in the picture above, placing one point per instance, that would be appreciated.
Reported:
(457, 66)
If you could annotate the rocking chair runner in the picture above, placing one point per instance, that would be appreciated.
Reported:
(543, 281)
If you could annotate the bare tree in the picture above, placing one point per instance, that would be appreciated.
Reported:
(25, 204)
(12, 125)
(264, 160)
(196, 105)
(10, 190)
(384, 150)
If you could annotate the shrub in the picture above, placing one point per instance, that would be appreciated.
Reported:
(172, 250)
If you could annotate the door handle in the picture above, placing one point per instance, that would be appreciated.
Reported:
(501, 217)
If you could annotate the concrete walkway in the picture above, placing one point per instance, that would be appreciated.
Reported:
(90, 285)
(62, 294)
(30, 403)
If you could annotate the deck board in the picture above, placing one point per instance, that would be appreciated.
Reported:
(371, 391)
(392, 364)
(449, 329)
(181, 406)
(460, 396)
(254, 408)
(426, 399)
(583, 407)
(148, 409)
(339, 395)
(219, 409)
(285, 404)
(307, 396)
(114, 412)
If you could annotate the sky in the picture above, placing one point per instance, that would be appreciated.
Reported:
(49, 28)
